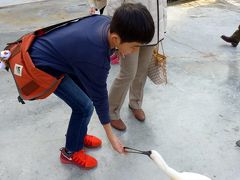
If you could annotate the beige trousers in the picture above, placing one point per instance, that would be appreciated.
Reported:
(132, 77)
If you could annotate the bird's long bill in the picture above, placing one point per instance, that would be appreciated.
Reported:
(132, 150)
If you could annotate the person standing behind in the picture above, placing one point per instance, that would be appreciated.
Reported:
(234, 39)
(97, 5)
(133, 68)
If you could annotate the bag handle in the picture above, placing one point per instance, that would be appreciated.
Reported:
(161, 47)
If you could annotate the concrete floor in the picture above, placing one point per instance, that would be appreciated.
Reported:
(193, 121)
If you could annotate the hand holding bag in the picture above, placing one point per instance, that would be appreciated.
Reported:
(157, 70)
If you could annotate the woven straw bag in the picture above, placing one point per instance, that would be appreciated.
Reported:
(157, 70)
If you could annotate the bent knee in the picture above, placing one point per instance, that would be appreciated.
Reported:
(85, 109)
(88, 109)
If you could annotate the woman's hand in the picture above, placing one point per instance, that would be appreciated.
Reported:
(113, 139)
(116, 144)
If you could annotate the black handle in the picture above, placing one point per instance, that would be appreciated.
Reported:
(132, 150)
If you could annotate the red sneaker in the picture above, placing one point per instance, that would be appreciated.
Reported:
(78, 158)
(92, 141)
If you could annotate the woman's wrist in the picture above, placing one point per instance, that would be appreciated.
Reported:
(108, 131)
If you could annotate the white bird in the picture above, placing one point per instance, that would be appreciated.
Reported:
(173, 174)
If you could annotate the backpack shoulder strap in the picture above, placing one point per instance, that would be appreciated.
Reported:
(47, 29)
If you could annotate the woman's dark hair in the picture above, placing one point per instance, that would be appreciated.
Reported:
(133, 23)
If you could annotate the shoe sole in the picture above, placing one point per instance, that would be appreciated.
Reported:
(93, 147)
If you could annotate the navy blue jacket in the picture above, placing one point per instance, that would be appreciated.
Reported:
(81, 50)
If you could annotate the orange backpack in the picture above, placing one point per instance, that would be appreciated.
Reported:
(32, 83)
